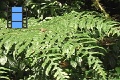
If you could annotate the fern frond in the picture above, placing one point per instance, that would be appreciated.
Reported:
(4, 71)
(74, 35)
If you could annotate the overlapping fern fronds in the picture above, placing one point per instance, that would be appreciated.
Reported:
(72, 37)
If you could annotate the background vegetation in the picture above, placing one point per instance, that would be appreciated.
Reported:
(65, 40)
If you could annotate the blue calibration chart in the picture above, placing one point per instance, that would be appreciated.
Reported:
(16, 18)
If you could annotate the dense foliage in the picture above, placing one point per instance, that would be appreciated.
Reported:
(80, 41)
(75, 46)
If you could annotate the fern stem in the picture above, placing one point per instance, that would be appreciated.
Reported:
(97, 3)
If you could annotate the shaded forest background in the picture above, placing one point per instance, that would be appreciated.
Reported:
(49, 8)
